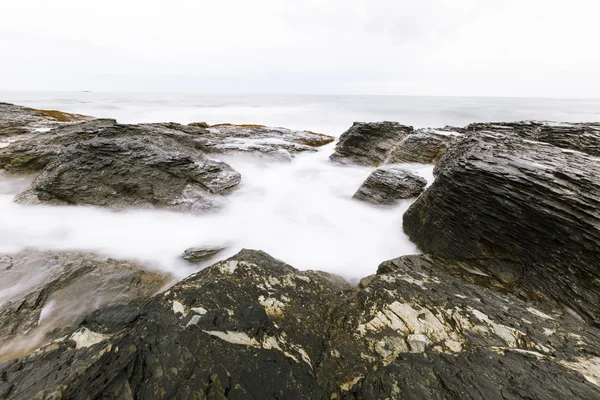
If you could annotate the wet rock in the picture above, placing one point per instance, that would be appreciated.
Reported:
(226, 138)
(425, 146)
(584, 137)
(388, 185)
(44, 294)
(527, 211)
(418, 328)
(369, 143)
(108, 164)
(195, 255)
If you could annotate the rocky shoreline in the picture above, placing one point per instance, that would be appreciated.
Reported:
(504, 302)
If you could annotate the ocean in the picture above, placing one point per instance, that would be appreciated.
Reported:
(301, 212)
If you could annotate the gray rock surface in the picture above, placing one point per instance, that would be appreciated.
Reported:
(44, 294)
(528, 212)
(254, 327)
(388, 185)
(195, 255)
(425, 146)
(104, 163)
(574, 136)
(369, 143)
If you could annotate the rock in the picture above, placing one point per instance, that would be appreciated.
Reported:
(224, 138)
(527, 212)
(44, 294)
(195, 255)
(30, 119)
(199, 124)
(417, 329)
(425, 146)
(108, 164)
(574, 136)
(388, 185)
(369, 143)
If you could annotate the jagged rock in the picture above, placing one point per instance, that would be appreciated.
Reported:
(44, 294)
(425, 146)
(388, 185)
(574, 136)
(254, 327)
(108, 164)
(369, 143)
(195, 255)
(527, 211)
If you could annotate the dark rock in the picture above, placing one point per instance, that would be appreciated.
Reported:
(426, 146)
(43, 294)
(199, 124)
(584, 137)
(369, 143)
(195, 255)
(108, 164)
(529, 212)
(388, 185)
(254, 327)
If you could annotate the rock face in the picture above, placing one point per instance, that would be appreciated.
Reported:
(574, 136)
(44, 294)
(425, 146)
(527, 212)
(195, 255)
(254, 327)
(388, 185)
(369, 143)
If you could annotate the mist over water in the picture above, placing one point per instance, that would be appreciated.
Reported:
(301, 212)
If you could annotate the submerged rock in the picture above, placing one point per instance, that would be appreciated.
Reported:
(195, 255)
(282, 333)
(388, 185)
(527, 211)
(369, 143)
(425, 146)
(44, 294)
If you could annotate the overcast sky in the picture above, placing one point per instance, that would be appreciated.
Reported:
(545, 48)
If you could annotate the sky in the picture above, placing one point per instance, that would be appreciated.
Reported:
(399, 47)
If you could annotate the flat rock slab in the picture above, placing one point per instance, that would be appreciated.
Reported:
(386, 186)
(195, 255)
(254, 327)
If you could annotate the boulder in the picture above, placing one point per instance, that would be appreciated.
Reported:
(388, 185)
(44, 294)
(254, 327)
(526, 211)
(195, 255)
(425, 146)
(104, 163)
(369, 143)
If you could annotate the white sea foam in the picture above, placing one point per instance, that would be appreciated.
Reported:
(301, 212)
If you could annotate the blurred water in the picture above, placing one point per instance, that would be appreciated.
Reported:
(300, 212)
